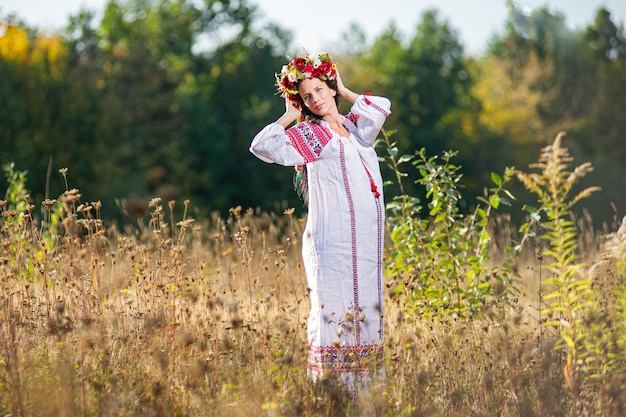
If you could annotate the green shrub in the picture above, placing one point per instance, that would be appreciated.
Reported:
(440, 262)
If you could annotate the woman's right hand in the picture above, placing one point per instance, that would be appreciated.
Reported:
(291, 114)
(290, 108)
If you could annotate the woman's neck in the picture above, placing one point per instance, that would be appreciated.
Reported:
(332, 118)
(334, 122)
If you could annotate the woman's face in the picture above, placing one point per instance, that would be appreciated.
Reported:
(317, 96)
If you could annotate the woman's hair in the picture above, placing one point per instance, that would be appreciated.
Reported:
(300, 178)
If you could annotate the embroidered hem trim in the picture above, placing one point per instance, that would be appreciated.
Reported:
(359, 358)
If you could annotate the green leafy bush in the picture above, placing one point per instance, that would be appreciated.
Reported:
(440, 262)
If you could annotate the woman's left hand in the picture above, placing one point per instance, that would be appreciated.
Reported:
(343, 91)
(340, 86)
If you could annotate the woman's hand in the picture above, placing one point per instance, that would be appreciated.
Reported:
(290, 108)
(340, 86)
(291, 114)
(343, 91)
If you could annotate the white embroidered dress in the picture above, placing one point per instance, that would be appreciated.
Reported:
(343, 238)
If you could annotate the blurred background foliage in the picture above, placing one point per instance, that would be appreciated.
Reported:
(162, 98)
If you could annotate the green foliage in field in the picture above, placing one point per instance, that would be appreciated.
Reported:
(439, 260)
(439, 265)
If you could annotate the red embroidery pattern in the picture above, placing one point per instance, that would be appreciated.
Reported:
(380, 220)
(377, 107)
(355, 274)
(354, 118)
(309, 139)
(360, 358)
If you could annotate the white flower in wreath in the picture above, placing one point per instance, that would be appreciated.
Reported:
(292, 76)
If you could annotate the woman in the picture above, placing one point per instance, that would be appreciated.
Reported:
(343, 238)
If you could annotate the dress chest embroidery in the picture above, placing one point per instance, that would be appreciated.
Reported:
(309, 139)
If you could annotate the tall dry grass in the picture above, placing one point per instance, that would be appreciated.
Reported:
(176, 318)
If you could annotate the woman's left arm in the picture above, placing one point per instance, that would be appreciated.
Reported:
(344, 92)
(370, 113)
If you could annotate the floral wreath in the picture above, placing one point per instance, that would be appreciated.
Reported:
(303, 67)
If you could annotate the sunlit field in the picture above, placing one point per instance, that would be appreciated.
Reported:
(175, 317)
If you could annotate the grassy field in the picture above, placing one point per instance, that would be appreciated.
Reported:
(172, 317)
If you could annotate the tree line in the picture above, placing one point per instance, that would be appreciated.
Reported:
(162, 98)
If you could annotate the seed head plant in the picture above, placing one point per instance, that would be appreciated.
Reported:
(589, 337)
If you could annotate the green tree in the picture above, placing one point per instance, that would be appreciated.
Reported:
(161, 97)
(427, 80)
(599, 135)
(558, 80)
(430, 82)
(237, 95)
(606, 38)
(173, 99)
(33, 84)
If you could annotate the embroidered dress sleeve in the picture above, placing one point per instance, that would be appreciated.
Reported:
(368, 113)
(273, 145)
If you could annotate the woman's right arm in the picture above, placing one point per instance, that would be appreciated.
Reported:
(272, 144)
